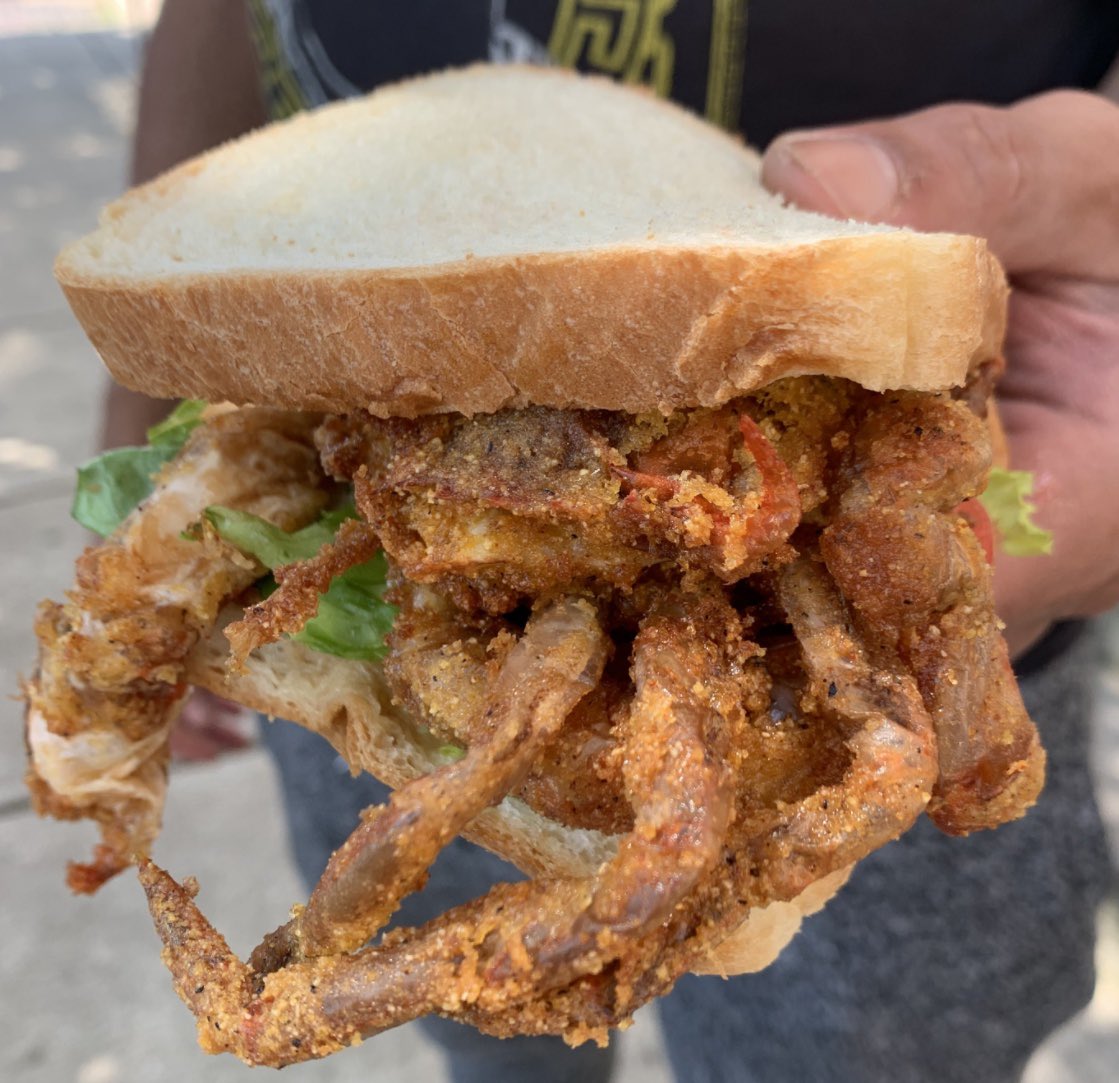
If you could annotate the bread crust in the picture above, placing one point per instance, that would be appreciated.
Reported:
(634, 329)
(503, 236)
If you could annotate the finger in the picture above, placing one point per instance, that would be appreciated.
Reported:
(216, 707)
(192, 746)
(1039, 180)
(204, 743)
(203, 707)
(207, 727)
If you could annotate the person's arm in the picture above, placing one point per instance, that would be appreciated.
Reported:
(1040, 180)
(199, 88)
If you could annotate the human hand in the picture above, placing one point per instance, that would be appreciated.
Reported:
(206, 728)
(1039, 180)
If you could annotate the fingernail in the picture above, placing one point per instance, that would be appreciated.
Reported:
(847, 176)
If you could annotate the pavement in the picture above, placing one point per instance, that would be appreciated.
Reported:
(83, 995)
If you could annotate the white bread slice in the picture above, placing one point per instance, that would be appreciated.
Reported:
(348, 703)
(498, 236)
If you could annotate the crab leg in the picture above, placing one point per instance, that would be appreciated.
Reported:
(516, 943)
(557, 661)
(677, 779)
(296, 599)
(894, 755)
(914, 570)
(883, 789)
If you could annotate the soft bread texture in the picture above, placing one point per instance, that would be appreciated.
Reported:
(767, 930)
(348, 703)
(500, 236)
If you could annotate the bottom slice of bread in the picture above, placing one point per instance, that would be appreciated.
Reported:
(348, 703)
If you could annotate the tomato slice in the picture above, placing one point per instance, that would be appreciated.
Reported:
(980, 522)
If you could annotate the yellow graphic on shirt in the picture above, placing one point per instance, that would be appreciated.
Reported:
(282, 93)
(625, 38)
(724, 65)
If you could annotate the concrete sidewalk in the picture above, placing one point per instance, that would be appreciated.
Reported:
(83, 995)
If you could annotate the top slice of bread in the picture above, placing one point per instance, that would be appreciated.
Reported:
(499, 236)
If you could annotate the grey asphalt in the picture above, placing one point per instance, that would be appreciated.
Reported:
(83, 995)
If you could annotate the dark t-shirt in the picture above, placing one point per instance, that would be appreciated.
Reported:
(756, 66)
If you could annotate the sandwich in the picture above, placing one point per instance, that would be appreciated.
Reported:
(622, 518)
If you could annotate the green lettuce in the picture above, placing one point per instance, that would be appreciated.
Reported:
(269, 544)
(113, 484)
(353, 618)
(1007, 503)
(173, 430)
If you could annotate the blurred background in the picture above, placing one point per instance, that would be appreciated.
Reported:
(83, 995)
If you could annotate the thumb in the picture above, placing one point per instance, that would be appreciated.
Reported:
(1039, 180)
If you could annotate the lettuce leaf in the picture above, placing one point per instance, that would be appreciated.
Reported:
(173, 430)
(269, 544)
(112, 485)
(1007, 502)
(353, 618)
